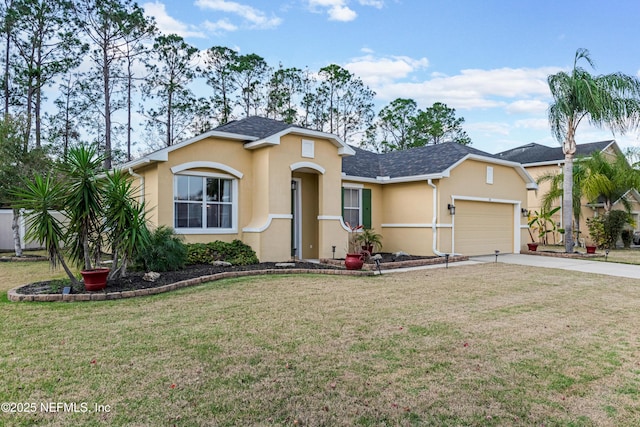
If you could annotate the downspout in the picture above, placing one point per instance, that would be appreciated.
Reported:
(434, 228)
(141, 178)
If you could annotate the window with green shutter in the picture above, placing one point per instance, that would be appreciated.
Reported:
(356, 206)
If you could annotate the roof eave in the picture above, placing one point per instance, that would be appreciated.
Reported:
(162, 155)
(395, 180)
(343, 148)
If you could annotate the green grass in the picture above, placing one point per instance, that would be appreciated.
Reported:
(490, 344)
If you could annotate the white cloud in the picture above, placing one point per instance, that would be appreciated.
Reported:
(167, 24)
(527, 106)
(255, 17)
(516, 90)
(342, 14)
(378, 4)
(336, 9)
(376, 72)
(220, 25)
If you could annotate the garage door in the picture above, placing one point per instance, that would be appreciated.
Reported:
(482, 227)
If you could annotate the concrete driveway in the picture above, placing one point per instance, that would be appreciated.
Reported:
(584, 265)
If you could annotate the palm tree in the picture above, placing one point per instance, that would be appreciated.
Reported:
(610, 100)
(555, 192)
(608, 180)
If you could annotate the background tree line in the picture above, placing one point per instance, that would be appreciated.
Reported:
(115, 74)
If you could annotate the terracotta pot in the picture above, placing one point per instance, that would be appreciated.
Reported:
(591, 249)
(353, 261)
(96, 279)
(532, 246)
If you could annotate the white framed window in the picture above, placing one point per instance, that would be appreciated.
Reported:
(352, 209)
(308, 148)
(489, 174)
(205, 204)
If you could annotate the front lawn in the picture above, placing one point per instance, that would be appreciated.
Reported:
(489, 344)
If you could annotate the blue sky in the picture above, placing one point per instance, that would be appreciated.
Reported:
(487, 59)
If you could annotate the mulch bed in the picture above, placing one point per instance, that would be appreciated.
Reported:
(133, 281)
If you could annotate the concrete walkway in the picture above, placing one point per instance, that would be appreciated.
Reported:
(583, 265)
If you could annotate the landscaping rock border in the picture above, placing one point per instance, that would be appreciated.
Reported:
(401, 264)
(562, 254)
(14, 296)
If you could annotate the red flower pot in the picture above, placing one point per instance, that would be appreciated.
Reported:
(532, 246)
(96, 279)
(354, 261)
(591, 249)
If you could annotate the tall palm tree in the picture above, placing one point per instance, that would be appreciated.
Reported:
(556, 181)
(610, 100)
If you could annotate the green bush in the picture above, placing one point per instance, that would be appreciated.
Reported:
(165, 252)
(236, 253)
(606, 229)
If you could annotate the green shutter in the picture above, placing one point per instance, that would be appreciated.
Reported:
(366, 207)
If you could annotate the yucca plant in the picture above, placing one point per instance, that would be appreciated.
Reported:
(100, 210)
(40, 198)
(124, 222)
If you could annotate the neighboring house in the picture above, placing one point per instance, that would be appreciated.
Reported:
(284, 190)
(539, 160)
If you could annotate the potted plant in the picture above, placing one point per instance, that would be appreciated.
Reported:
(539, 222)
(369, 240)
(597, 234)
(354, 259)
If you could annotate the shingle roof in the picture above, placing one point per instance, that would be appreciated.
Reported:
(259, 127)
(536, 153)
(431, 159)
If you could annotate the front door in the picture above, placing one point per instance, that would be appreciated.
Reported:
(296, 219)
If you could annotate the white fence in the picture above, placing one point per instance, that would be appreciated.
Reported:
(6, 233)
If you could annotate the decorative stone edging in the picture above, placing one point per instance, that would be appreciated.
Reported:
(402, 264)
(561, 254)
(23, 259)
(14, 296)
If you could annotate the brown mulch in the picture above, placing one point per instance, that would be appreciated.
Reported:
(133, 280)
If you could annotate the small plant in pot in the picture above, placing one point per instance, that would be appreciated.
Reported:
(542, 223)
(370, 240)
(354, 260)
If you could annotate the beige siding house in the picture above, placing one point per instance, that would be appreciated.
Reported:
(541, 160)
(289, 192)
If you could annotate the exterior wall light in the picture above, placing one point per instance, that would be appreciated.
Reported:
(525, 213)
(452, 209)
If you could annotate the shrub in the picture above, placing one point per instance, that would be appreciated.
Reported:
(236, 252)
(606, 229)
(613, 225)
(165, 252)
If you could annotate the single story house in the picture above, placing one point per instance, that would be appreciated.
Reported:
(541, 160)
(289, 191)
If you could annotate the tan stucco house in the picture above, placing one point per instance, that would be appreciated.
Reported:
(540, 160)
(288, 191)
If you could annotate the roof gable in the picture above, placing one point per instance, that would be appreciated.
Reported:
(431, 161)
(258, 127)
(426, 160)
(253, 132)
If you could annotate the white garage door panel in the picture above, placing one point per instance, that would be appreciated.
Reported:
(482, 227)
